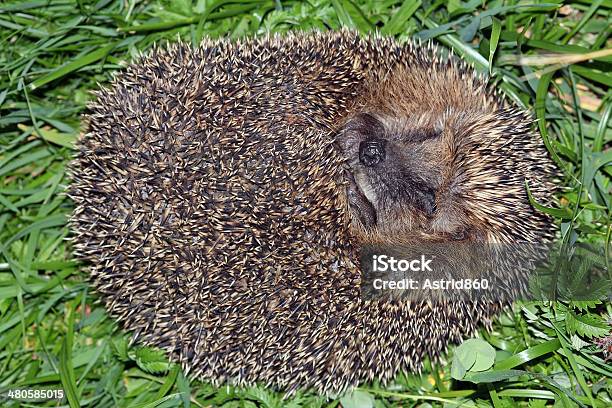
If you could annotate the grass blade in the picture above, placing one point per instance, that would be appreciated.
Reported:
(66, 370)
(73, 65)
(399, 19)
(528, 355)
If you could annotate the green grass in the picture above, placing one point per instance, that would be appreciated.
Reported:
(551, 57)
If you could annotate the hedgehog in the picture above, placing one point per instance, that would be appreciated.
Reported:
(223, 194)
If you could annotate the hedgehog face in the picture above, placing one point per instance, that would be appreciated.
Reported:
(391, 175)
(399, 172)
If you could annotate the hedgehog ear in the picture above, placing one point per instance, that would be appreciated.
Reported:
(358, 128)
(365, 124)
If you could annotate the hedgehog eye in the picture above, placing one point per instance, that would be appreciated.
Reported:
(372, 152)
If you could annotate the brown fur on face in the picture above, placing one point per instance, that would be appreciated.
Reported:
(454, 160)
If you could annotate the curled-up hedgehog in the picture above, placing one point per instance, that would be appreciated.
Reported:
(223, 194)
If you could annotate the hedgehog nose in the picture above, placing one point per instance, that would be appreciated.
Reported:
(371, 152)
